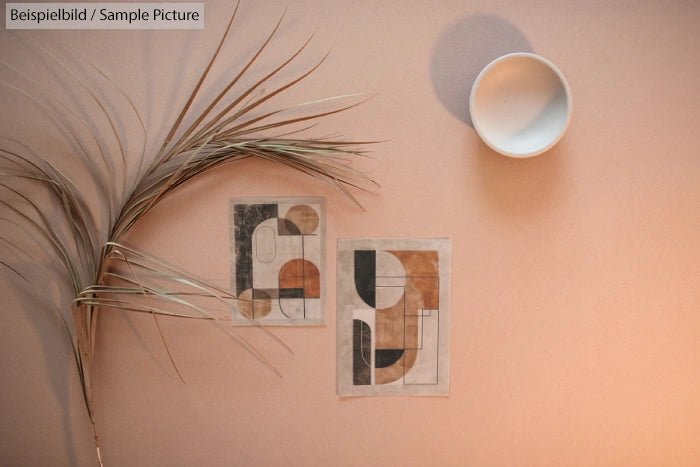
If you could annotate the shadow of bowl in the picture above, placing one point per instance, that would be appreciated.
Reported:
(463, 50)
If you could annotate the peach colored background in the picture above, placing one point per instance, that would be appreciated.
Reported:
(576, 280)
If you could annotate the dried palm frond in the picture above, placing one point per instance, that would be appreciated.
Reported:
(103, 272)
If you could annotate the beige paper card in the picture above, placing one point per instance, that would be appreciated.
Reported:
(393, 316)
(278, 260)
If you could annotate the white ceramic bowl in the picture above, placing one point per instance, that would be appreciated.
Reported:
(520, 105)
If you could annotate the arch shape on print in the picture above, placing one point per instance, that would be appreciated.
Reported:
(278, 260)
(299, 287)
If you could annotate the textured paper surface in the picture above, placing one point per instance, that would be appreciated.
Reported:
(278, 260)
(393, 316)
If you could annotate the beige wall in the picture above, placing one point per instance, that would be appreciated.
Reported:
(576, 277)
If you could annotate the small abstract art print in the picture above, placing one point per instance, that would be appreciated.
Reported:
(393, 316)
(278, 260)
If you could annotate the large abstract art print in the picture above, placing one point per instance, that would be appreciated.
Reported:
(278, 260)
(393, 316)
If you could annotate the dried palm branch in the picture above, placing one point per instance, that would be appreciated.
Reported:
(100, 271)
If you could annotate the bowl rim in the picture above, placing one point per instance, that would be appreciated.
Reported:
(560, 76)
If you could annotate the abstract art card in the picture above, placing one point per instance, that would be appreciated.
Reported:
(393, 316)
(278, 260)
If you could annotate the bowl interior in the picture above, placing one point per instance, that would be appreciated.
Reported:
(520, 105)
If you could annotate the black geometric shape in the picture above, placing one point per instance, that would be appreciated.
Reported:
(366, 276)
(246, 217)
(287, 227)
(361, 353)
(385, 357)
(291, 293)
